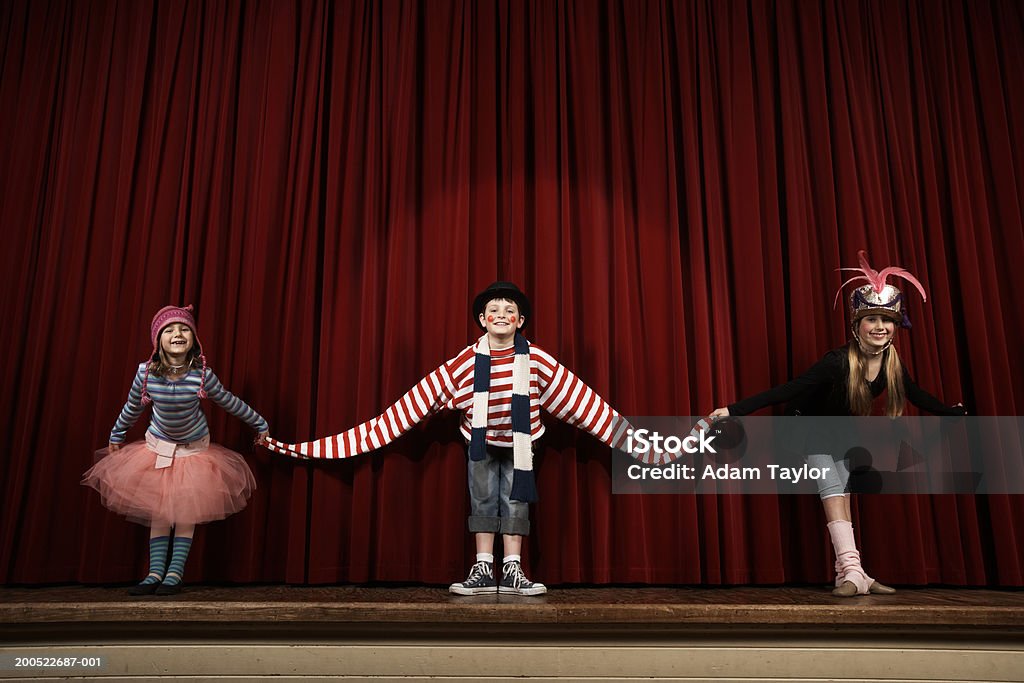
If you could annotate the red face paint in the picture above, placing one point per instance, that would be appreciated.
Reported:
(490, 318)
(512, 319)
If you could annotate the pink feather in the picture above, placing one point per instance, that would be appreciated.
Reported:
(874, 277)
(899, 272)
(877, 279)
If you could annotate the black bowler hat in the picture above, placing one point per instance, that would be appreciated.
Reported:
(501, 290)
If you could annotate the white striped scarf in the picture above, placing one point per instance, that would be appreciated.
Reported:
(524, 487)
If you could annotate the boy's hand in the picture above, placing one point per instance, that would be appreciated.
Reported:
(111, 446)
(261, 438)
(720, 412)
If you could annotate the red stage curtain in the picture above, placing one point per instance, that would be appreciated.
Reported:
(673, 183)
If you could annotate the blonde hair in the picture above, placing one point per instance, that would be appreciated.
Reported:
(859, 394)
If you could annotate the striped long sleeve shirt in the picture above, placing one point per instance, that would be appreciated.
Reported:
(177, 415)
(552, 388)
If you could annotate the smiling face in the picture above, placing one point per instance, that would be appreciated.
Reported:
(501, 319)
(875, 332)
(176, 340)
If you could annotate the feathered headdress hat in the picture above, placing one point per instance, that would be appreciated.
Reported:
(878, 297)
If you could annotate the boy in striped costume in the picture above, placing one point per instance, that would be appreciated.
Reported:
(500, 383)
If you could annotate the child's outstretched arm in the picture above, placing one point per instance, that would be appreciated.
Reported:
(424, 399)
(130, 413)
(216, 392)
(565, 396)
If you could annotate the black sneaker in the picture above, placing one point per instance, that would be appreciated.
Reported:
(514, 581)
(480, 580)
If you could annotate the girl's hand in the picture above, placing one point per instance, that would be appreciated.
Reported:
(262, 440)
(961, 406)
(111, 446)
(719, 412)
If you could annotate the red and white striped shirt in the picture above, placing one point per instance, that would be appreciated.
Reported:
(552, 387)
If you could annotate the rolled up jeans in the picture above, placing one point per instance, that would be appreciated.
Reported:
(490, 483)
(836, 479)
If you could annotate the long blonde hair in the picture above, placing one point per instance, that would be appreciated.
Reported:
(857, 392)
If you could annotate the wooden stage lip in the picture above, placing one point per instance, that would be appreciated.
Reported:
(255, 605)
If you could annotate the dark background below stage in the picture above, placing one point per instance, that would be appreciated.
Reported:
(673, 183)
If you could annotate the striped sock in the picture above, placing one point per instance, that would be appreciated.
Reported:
(157, 560)
(176, 567)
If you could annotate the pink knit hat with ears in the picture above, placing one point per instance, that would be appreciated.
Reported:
(164, 317)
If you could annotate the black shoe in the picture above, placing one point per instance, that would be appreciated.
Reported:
(480, 580)
(514, 581)
(144, 588)
(168, 589)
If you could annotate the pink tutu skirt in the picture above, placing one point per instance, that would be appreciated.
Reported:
(207, 485)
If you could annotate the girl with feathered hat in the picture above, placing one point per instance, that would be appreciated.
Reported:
(175, 478)
(847, 381)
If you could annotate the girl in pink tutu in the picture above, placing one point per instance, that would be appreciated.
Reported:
(175, 478)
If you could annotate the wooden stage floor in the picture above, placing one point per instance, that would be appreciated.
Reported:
(299, 634)
(651, 606)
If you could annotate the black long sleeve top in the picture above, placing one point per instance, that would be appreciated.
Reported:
(822, 391)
